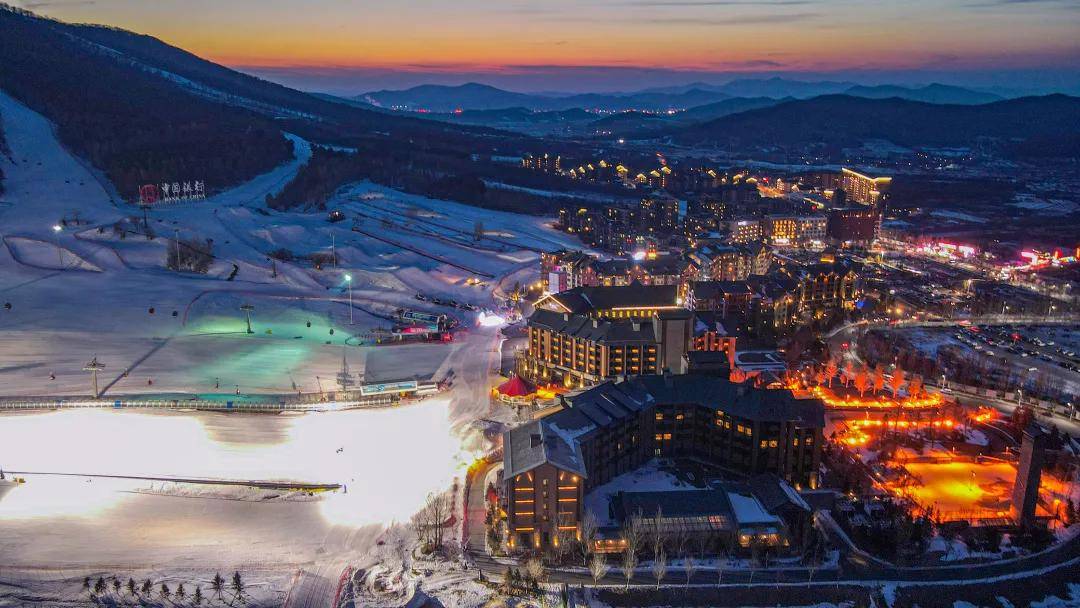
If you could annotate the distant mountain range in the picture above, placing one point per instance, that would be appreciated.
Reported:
(847, 120)
(932, 93)
(474, 96)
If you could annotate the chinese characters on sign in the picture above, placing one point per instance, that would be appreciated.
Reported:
(171, 192)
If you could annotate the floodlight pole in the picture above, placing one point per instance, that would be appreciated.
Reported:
(247, 308)
(176, 234)
(57, 228)
(348, 282)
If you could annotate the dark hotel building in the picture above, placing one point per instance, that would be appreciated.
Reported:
(614, 428)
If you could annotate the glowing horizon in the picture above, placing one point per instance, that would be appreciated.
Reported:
(693, 36)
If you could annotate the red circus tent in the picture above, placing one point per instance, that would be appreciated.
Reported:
(515, 387)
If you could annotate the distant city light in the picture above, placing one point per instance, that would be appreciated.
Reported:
(639, 255)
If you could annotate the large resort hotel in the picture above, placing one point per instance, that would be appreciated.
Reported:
(551, 463)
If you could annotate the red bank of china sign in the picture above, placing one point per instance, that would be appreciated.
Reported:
(171, 192)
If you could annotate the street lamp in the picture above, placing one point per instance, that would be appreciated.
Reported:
(348, 282)
(59, 251)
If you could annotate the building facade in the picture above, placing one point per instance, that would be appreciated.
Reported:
(615, 428)
(860, 188)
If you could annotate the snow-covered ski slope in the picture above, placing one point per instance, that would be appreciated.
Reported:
(86, 290)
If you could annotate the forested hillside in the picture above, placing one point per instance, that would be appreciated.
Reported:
(316, 181)
(845, 120)
(136, 125)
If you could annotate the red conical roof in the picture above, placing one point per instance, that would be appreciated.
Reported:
(515, 387)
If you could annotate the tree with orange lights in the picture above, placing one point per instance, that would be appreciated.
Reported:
(896, 382)
(915, 387)
(879, 378)
(862, 381)
(849, 372)
(830, 370)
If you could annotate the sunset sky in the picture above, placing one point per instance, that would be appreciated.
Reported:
(561, 44)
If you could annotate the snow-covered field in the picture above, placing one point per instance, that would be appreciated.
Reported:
(85, 291)
(389, 460)
(98, 287)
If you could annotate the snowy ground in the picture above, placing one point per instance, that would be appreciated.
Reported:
(85, 291)
(929, 340)
(99, 302)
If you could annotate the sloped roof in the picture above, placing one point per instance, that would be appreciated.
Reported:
(535, 443)
(585, 300)
(515, 387)
(594, 330)
(556, 438)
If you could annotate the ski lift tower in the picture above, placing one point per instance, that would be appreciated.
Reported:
(247, 308)
(344, 378)
(94, 367)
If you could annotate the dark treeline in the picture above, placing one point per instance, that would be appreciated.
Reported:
(137, 126)
(433, 171)
(317, 181)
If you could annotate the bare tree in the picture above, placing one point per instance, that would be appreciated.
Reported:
(680, 541)
(632, 533)
(189, 255)
(429, 523)
(534, 568)
(659, 567)
(598, 567)
(721, 561)
(589, 527)
(656, 533)
(629, 565)
(565, 532)
(689, 566)
(813, 562)
(702, 542)
(417, 524)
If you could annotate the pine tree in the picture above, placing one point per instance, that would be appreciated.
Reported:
(197, 598)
